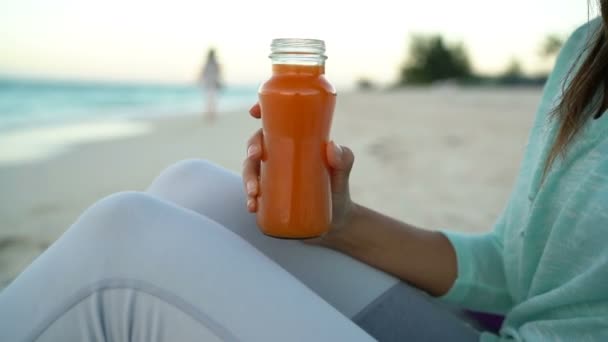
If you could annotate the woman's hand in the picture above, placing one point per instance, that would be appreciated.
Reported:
(423, 258)
(340, 161)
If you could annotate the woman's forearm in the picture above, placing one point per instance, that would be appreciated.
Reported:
(425, 259)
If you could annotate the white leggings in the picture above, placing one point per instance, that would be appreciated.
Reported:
(184, 261)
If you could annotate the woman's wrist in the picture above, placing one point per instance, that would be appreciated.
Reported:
(341, 233)
(421, 257)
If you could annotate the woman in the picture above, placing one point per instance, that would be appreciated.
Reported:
(211, 81)
(162, 265)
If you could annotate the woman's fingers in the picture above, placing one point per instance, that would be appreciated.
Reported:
(341, 160)
(251, 166)
(251, 170)
(256, 111)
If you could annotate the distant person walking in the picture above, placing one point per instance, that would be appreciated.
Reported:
(211, 82)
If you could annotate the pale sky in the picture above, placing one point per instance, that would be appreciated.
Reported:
(166, 40)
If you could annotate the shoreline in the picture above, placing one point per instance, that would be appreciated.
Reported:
(43, 142)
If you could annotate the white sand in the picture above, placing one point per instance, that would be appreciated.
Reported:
(42, 143)
(436, 158)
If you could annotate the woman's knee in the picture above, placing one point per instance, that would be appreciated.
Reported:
(190, 168)
(188, 175)
(117, 212)
(200, 185)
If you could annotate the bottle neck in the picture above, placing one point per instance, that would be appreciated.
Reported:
(296, 56)
(298, 69)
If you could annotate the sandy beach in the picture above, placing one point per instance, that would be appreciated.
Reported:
(438, 158)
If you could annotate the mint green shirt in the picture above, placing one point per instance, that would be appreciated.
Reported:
(545, 264)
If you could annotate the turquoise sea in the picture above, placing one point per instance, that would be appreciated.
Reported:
(29, 102)
(42, 118)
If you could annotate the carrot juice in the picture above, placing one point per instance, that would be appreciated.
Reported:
(297, 105)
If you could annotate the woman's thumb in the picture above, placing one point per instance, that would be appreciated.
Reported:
(341, 161)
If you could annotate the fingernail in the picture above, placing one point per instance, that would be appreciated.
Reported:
(337, 150)
(251, 187)
(252, 150)
(249, 203)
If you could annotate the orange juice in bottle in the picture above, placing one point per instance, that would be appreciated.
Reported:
(297, 105)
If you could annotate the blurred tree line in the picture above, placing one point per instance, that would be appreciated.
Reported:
(432, 60)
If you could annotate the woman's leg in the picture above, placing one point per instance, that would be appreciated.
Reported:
(212, 94)
(218, 194)
(136, 268)
(379, 303)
